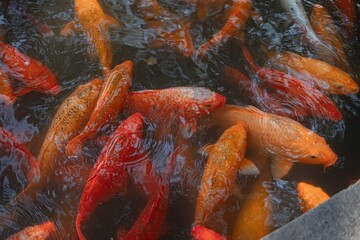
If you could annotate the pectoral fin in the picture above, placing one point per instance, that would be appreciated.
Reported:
(280, 167)
(69, 29)
(206, 150)
(111, 22)
(187, 127)
(248, 168)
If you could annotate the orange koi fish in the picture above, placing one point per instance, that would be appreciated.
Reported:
(253, 215)
(109, 175)
(238, 16)
(310, 196)
(112, 99)
(94, 22)
(203, 233)
(320, 74)
(8, 141)
(148, 224)
(208, 8)
(184, 104)
(221, 170)
(31, 73)
(69, 120)
(281, 138)
(6, 91)
(309, 100)
(171, 33)
(43, 231)
(328, 33)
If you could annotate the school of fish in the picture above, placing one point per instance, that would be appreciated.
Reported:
(97, 152)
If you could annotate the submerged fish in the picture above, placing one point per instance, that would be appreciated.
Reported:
(347, 8)
(91, 19)
(112, 99)
(208, 8)
(180, 104)
(310, 196)
(203, 233)
(31, 73)
(6, 91)
(328, 32)
(109, 175)
(303, 96)
(218, 181)
(320, 74)
(235, 23)
(281, 138)
(43, 231)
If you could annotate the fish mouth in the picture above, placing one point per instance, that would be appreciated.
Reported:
(219, 100)
(331, 161)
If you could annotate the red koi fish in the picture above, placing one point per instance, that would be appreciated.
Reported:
(312, 101)
(8, 141)
(43, 231)
(31, 73)
(258, 94)
(208, 8)
(6, 91)
(109, 174)
(112, 98)
(185, 104)
(238, 16)
(347, 8)
(203, 233)
(170, 31)
(148, 224)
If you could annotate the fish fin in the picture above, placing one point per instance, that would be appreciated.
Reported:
(187, 127)
(206, 149)
(249, 59)
(280, 167)
(70, 29)
(248, 168)
(21, 91)
(109, 21)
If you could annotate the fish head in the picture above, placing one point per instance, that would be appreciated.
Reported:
(127, 66)
(206, 101)
(347, 86)
(317, 151)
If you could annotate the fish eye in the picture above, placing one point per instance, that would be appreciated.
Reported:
(313, 156)
(338, 87)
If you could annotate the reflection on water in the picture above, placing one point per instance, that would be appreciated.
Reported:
(33, 27)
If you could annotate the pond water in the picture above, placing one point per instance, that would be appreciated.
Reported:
(33, 27)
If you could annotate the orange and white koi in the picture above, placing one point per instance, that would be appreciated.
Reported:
(310, 196)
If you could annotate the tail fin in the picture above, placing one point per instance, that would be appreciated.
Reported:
(249, 59)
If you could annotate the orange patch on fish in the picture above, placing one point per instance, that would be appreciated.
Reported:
(6, 91)
(43, 231)
(203, 233)
(310, 196)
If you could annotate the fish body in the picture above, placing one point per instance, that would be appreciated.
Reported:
(112, 99)
(31, 73)
(203, 233)
(348, 10)
(320, 74)
(328, 32)
(185, 104)
(234, 25)
(109, 175)
(94, 22)
(68, 121)
(309, 100)
(277, 136)
(43, 231)
(8, 141)
(171, 32)
(6, 91)
(310, 196)
(218, 181)
(208, 8)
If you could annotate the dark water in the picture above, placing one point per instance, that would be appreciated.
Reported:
(70, 61)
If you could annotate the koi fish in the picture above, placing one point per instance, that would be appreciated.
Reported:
(310, 196)
(6, 91)
(94, 22)
(109, 175)
(171, 33)
(112, 98)
(31, 73)
(281, 138)
(185, 104)
(328, 32)
(206, 8)
(43, 231)
(348, 13)
(320, 74)
(220, 173)
(258, 94)
(148, 224)
(8, 141)
(69, 120)
(253, 215)
(238, 16)
(203, 233)
(311, 101)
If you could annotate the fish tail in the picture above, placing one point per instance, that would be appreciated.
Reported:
(249, 59)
